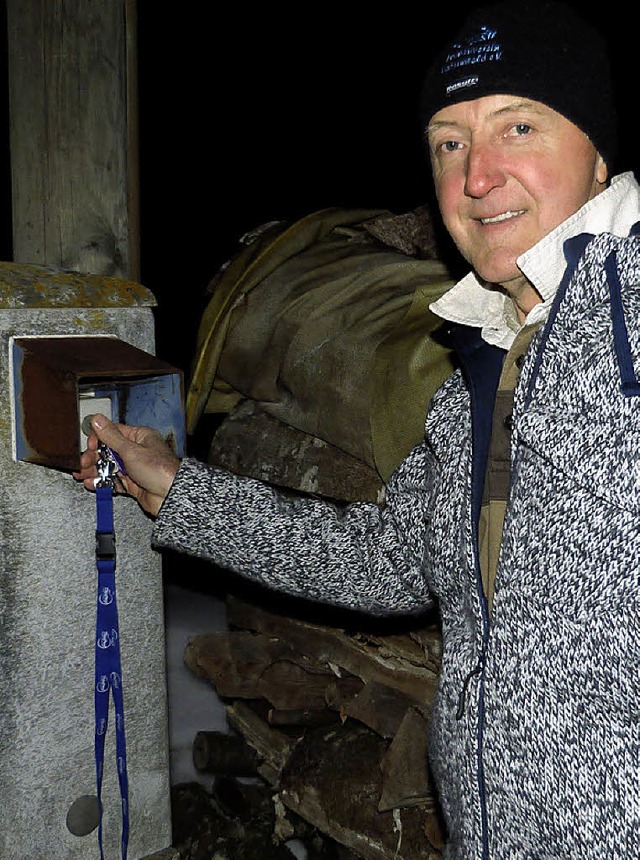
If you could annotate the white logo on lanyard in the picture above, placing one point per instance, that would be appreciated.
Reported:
(106, 596)
(107, 639)
(103, 684)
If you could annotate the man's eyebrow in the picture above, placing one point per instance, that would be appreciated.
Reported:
(442, 123)
(516, 106)
(521, 105)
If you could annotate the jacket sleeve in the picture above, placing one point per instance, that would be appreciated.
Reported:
(363, 556)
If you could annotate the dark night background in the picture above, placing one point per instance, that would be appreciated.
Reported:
(249, 115)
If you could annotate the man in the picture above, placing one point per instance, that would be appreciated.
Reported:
(519, 513)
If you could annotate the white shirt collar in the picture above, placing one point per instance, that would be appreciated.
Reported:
(473, 303)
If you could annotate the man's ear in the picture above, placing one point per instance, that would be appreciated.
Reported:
(602, 171)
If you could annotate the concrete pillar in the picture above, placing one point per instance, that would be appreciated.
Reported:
(48, 608)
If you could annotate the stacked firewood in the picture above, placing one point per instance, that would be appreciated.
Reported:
(333, 720)
(328, 711)
(324, 328)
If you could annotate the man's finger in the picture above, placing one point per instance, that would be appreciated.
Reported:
(107, 431)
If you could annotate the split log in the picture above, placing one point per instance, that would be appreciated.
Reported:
(333, 779)
(273, 747)
(337, 720)
(247, 665)
(234, 662)
(378, 706)
(405, 771)
(289, 686)
(366, 656)
(429, 639)
(225, 754)
(250, 442)
(301, 717)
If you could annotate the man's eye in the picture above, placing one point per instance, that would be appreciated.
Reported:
(521, 128)
(450, 146)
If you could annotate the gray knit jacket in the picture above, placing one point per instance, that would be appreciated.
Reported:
(535, 732)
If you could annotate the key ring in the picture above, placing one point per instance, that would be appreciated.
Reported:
(108, 466)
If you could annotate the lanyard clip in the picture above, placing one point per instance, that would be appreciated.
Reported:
(107, 466)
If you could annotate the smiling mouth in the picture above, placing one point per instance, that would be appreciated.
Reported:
(504, 216)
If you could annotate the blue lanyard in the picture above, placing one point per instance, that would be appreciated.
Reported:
(108, 670)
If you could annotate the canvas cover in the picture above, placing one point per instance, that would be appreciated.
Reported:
(325, 323)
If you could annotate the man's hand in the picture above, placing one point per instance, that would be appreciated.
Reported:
(150, 464)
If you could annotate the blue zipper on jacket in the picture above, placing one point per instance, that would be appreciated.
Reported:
(573, 248)
(481, 365)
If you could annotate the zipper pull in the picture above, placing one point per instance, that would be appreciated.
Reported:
(462, 698)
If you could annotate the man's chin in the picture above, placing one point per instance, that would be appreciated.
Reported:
(499, 275)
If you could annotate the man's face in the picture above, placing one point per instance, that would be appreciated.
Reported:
(508, 170)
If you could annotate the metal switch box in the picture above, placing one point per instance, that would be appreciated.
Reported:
(56, 381)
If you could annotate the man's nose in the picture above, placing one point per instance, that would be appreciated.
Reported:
(484, 170)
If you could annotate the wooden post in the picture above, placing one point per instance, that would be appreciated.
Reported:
(74, 148)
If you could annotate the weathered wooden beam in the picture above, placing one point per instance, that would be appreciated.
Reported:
(73, 134)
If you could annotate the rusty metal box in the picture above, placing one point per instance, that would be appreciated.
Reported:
(57, 379)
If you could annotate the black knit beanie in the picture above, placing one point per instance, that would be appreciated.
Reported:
(543, 51)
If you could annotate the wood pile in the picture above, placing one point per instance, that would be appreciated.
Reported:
(319, 348)
(327, 710)
(333, 720)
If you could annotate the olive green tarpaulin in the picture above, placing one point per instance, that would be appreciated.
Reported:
(325, 323)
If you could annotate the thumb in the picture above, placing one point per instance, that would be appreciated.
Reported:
(107, 431)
